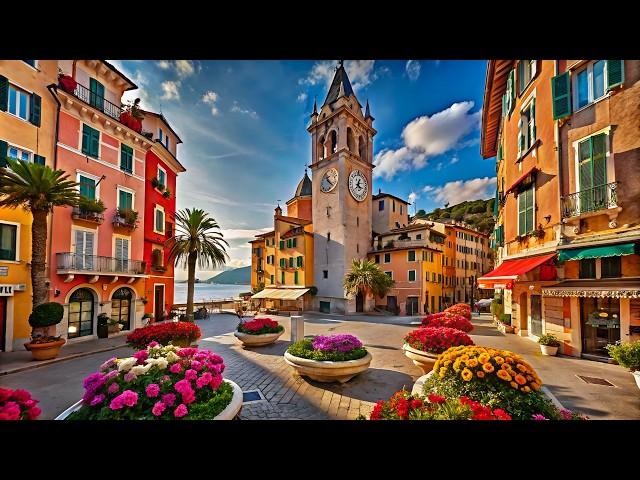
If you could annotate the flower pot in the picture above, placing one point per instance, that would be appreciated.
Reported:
(419, 385)
(249, 340)
(636, 375)
(114, 329)
(229, 413)
(67, 83)
(45, 351)
(424, 360)
(183, 342)
(548, 350)
(327, 372)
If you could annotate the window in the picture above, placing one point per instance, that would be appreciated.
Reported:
(162, 176)
(400, 209)
(18, 153)
(390, 274)
(281, 277)
(8, 242)
(590, 84)
(325, 274)
(295, 277)
(394, 206)
(283, 262)
(83, 249)
(18, 102)
(166, 141)
(419, 236)
(525, 211)
(387, 258)
(588, 268)
(87, 187)
(411, 257)
(381, 205)
(412, 275)
(299, 261)
(126, 158)
(281, 244)
(294, 242)
(433, 276)
(96, 94)
(291, 260)
(526, 72)
(271, 279)
(90, 141)
(125, 199)
(30, 62)
(592, 173)
(527, 127)
(377, 257)
(610, 267)
(159, 220)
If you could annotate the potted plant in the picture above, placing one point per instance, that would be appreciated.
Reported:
(424, 345)
(166, 193)
(159, 383)
(114, 325)
(17, 405)
(155, 183)
(127, 216)
(132, 115)
(504, 324)
(177, 333)
(549, 344)
(446, 319)
(258, 332)
(66, 82)
(43, 318)
(148, 316)
(627, 355)
(328, 358)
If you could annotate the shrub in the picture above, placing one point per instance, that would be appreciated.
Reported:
(46, 315)
(328, 349)
(89, 205)
(626, 354)
(549, 339)
(436, 339)
(259, 326)
(17, 405)
(164, 383)
(445, 319)
(130, 216)
(505, 318)
(163, 333)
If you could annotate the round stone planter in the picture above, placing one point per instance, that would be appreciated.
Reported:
(229, 413)
(636, 375)
(418, 386)
(327, 372)
(249, 340)
(45, 351)
(184, 342)
(548, 350)
(424, 360)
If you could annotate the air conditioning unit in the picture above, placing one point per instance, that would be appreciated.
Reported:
(20, 287)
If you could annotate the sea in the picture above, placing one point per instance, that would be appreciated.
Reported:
(208, 291)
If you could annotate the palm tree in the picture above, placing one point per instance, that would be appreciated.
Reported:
(37, 188)
(196, 241)
(366, 276)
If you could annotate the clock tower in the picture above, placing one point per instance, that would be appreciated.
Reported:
(341, 163)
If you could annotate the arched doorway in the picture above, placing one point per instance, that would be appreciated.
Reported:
(121, 307)
(359, 302)
(81, 307)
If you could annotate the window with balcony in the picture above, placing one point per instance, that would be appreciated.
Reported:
(122, 254)
(8, 242)
(87, 187)
(96, 94)
(526, 211)
(593, 191)
(126, 158)
(84, 249)
(90, 141)
(125, 200)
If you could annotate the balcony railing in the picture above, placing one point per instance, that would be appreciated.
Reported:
(120, 221)
(96, 101)
(590, 200)
(81, 214)
(72, 262)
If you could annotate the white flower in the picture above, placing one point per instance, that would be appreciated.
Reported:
(125, 364)
(141, 369)
(172, 357)
(161, 363)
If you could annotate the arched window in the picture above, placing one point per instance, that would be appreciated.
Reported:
(362, 148)
(333, 142)
(321, 152)
(121, 307)
(351, 141)
(80, 313)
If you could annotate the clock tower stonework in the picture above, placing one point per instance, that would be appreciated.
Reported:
(341, 139)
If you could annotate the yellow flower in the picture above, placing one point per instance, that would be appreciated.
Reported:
(442, 372)
(520, 379)
(505, 366)
(499, 360)
(521, 367)
(526, 389)
(514, 385)
(484, 357)
(456, 365)
(509, 360)
(480, 374)
(503, 375)
(487, 367)
(467, 374)
(472, 362)
(464, 357)
(535, 386)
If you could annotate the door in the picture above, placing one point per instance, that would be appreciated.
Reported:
(392, 303)
(325, 307)
(600, 319)
(121, 307)
(158, 303)
(412, 306)
(360, 302)
(536, 315)
(83, 250)
(81, 306)
(3, 322)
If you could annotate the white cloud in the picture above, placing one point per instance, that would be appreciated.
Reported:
(170, 89)
(413, 196)
(454, 159)
(462, 190)
(245, 111)
(164, 64)
(439, 166)
(360, 73)
(243, 234)
(211, 97)
(184, 68)
(302, 97)
(413, 69)
(426, 137)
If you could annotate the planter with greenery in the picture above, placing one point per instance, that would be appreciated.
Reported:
(114, 325)
(166, 193)
(126, 217)
(449, 320)
(328, 358)
(177, 333)
(627, 355)
(43, 318)
(155, 183)
(549, 344)
(504, 323)
(258, 332)
(89, 209)
(424, 345)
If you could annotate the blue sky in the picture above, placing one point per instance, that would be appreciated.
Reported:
(243, 124)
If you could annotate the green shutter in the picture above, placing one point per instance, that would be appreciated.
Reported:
(95, 143)
(3, 153)
(86, 139)
(529, 214)
(520, 142)
(300, 261)
(126, 158)
(585, 169)
(295, 277)
(512, 90)
(294, 242)
(96, 96)
(522, 214)
(532, 114)
(281, 244)
(39, 159)
(504, 105)
(282, 263)
(291, 262)
(615, 73)
(282, 277)
(520, 76)
(561, 94)
(36, 107)
(4, 93)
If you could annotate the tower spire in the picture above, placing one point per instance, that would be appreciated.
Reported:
(315, 107)
(367, 113)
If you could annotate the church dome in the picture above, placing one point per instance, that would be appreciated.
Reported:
(304, 187)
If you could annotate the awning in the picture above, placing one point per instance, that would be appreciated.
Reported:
(521, 179)
(596, 252)
(602, 288)
(281, 293)
(509, 270)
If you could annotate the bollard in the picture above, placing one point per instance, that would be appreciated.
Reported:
(297, 327)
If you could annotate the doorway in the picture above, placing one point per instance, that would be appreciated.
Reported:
(3, 322)
(121, 307)
(523, 311)
(158, 302)
(412, 306)
(536, 315)
(325, 307)
(360, 302)
(600, 318)
(392, 304)
(81, 306)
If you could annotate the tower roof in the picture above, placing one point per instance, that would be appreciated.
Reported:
(304, 187)
(340, 84)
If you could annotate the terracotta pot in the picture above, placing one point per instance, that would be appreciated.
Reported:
(424, 360)
(249, 340)
(327, 372)
(548, 350)
(45, 351)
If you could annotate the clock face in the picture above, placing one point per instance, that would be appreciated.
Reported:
(358, 185)
(329, 180)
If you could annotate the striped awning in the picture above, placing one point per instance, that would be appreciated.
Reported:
(280, 293)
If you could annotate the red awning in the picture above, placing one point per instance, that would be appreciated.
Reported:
(519, 180)
(509, 270)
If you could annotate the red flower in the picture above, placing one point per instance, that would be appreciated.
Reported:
(436, 340)
(163, 333)
(433, 398)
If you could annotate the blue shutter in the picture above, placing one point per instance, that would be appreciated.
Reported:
(36, 107)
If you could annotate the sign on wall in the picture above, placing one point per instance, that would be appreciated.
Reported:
(6, 290)
(4, 271)
(507, 294)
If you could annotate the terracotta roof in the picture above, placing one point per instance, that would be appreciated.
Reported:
(268, 234)
(299, 221)
(494, 87)
(382, 195)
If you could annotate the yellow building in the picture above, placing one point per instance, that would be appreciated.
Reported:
(27, 132)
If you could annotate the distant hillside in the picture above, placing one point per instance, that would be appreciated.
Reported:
(237, 276)
(477, 213)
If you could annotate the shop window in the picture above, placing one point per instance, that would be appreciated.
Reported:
(588, 268)
(610, 267)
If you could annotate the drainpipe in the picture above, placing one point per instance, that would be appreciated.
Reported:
(53, 89)
(558, 141)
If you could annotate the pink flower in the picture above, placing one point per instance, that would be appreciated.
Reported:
(190, 374)
(165, 379)
(196, 365)
(11, 411)
(141, 355)
(130, 377)
(181, 411)
(188, 397)
(187, 352)
(130, 398)
(113, 388)
(216, 381)
(108, 364)
(169, 399)
(175, 368)
(112, 374)
(21, 395)
(152, 390)
(182, 386)
(116, 403)
(539, 416)
(158, 408)
(204, 379)
(33, 413)
(5, 394)
(153, 344)
(97, 399)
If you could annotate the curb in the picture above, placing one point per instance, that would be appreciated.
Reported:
(56, 360)
(553, 398)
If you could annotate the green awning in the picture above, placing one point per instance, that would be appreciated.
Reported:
(597, 252)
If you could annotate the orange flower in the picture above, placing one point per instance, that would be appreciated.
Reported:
(484, 358)
(505, 366)
(487, 367)
(472, 362)
(499, 360)
(503, 375)
(535, 386)
(466, 374)
(520, 379)
(480, 374)
(509, 360)
(521, 367)
(514, 385)
(526, 389)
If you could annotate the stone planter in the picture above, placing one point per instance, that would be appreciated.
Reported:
(229, 413)
(548, 350)
(418, 386)
(183, 342)
(636, 375)
(249, 340)
(424, 360)
(45, 351)
(327, 372)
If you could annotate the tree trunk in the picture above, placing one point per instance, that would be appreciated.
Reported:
(38, 257)
(191, 280)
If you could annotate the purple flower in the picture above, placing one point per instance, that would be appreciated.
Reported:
(112, 374)
(539, 416)
(336, 343)
(566, 414)
(94, 381)
(130, 377)
(96, 400)
(113, 388)
(152, 390)
(108, 364)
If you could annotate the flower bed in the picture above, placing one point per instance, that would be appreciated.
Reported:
(446, 319)
(17, 405)
(333, 348)
(160, 382)
(461, 309)
(436, 339)
(259, 326)
(163, 333)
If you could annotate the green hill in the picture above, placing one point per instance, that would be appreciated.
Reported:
(237, 276)
(477, 213)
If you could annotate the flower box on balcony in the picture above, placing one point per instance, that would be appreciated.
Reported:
(126, 218)
(159, 268)
(87, 215)
(67, 83)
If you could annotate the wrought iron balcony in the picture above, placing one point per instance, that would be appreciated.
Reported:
(123, 221)
(86, 215)
(97, 101)
(590, 200)
(94, 264)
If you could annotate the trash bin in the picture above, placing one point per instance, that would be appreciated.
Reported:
(297, 327)
(103, 328)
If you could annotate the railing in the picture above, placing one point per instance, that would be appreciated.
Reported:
(590, 200)
(120, 221)
(98, 264)
(97, 101)
(80, 214)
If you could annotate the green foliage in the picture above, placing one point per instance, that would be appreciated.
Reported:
(478, 213)
(549, 339)
(627, 354)
(421, 213)
(130, 216)
(258, 288)
(505, 318)
(89, 205)
(46, 315)
(208, 410)
(367, 276)
(304, 349)
(313, 290)
(497, 308)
